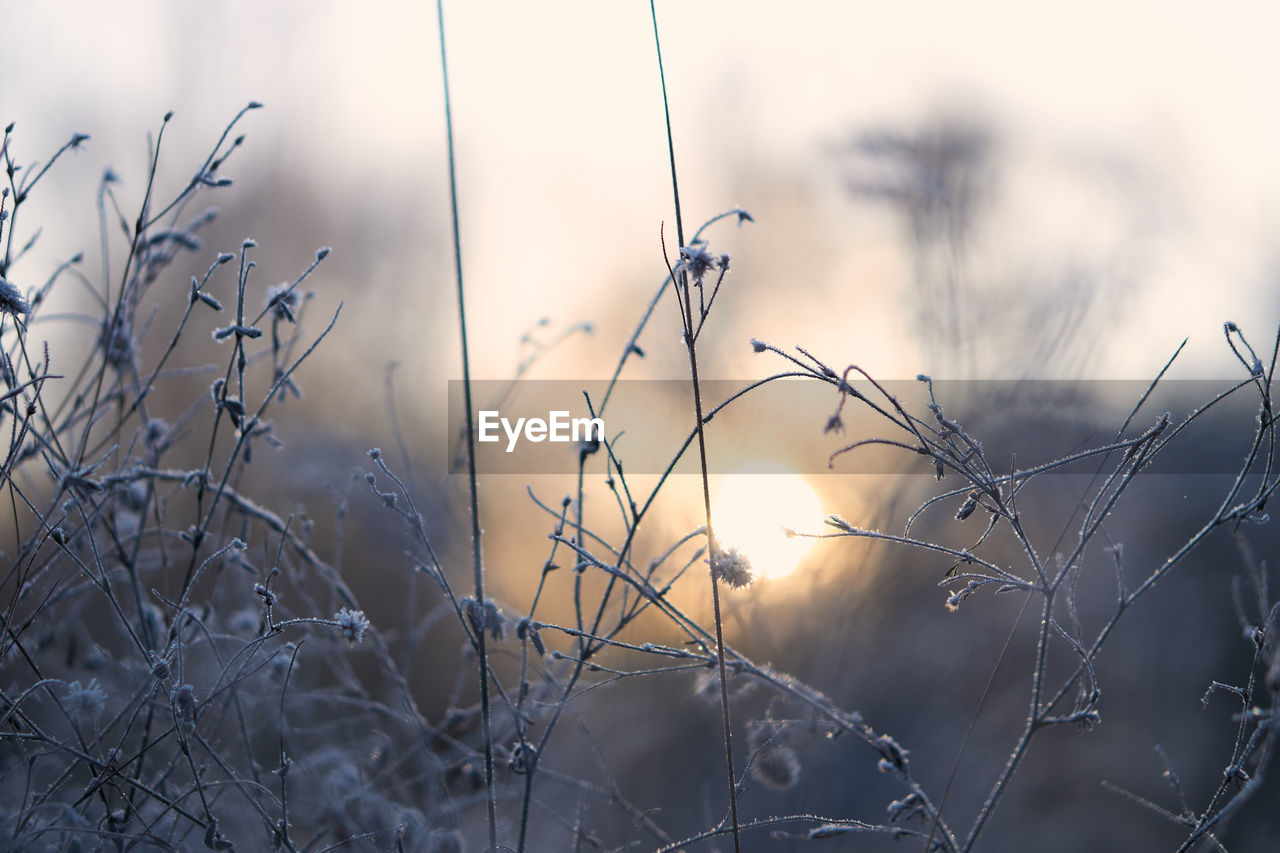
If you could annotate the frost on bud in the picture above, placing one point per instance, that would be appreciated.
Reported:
(893, 758)
(282, 300)
(967, 508)
(484, 618)
(696, 261)
(901, 810)
(159, 667)
(757, 346)
(732, 567)
(322, 253)
(235, 409)
(198, 295)
(264, 592)
(11, 300)
(353, 623)
(528, 630)
(953, 600)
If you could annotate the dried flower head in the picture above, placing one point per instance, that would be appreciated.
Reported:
(696, 261)
(353, 623)
(160, 668)
(11, 301)
(731, 566)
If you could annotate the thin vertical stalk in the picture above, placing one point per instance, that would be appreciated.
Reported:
(682, 284)
(476, 554)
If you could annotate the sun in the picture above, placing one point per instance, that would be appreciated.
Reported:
(752, 509)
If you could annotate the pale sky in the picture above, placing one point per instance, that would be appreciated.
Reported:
(1137, 140)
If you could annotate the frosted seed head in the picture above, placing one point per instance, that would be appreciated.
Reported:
(353, 623)
(732, 567)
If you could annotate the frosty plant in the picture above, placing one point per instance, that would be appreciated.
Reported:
(555, 659)
(992, 495)
(154, 614)
(182, 665)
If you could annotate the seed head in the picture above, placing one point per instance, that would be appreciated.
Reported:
(353, 623)
(11, 301)
(696, 261)
(732, 567)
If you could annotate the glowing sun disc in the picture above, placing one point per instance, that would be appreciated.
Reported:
(753, 506)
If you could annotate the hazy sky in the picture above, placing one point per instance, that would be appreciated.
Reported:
(1137, 140)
